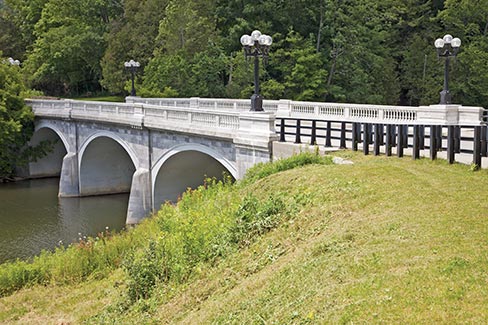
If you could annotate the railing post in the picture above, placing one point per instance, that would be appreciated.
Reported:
(343, 136)
(400, 140)
(484, 150)
(282, 130)
(355, 138)
(477, 146)
(450, 144)
(366, 139)
(457, 139)
(405, 136)
(298, 132)
(328, 142)
(388, 142)
(433, 144)
(439, 137)
(416, 142)
(422, 137)
(313, 140)
(377, 139)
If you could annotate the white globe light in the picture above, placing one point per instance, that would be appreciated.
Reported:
(447, 38)
(263, 40)
(137, 64)
(245, 39)
(456, 42)
(255, 35)
(270, 40)
(439, 43)
(126, 64)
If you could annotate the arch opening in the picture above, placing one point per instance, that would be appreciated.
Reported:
(183, 170)
(51, 164)
(105, 168)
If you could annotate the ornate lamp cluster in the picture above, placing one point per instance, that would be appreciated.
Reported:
(256, 45)
(132, 66)
(13, 62)
(447, 47)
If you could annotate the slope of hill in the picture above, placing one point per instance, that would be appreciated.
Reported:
(384, 240)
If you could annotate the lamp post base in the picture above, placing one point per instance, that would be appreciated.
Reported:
(256, 103)
(445, 97)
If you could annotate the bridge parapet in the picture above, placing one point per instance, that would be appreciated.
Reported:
(382, 114)
(182, 115)
(205, 103)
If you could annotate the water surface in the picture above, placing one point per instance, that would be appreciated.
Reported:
(32, 217)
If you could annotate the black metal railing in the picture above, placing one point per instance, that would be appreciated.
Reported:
(451, 139)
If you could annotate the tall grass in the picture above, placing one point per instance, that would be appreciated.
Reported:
(206, 224)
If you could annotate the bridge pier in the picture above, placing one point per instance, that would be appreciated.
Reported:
(140, 198)
(69, 183)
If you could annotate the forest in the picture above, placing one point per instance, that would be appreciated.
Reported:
(356, 51)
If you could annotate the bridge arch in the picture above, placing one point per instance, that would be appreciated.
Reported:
(106, 165)
(187, 164)
(51, 164)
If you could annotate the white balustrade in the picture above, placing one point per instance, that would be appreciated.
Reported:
(223, 114)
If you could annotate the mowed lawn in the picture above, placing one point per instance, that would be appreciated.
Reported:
(385, 240)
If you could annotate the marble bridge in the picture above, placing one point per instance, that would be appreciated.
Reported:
(156, 148)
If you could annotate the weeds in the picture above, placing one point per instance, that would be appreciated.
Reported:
(207, 224)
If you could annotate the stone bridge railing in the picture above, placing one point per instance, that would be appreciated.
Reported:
(340, 112)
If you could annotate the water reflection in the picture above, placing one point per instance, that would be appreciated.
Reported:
(33, 218)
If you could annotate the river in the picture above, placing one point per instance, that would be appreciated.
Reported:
(33, 218)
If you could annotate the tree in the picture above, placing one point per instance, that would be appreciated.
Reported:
(16, 123)
(70, 44)
(131, 36)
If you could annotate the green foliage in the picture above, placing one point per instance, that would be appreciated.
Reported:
(130, 37)
(206, 225)
(16, 121)
(69, 45)
(341, 51)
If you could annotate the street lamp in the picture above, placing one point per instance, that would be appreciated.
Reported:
(13, 62)
(256, 45)
(447, 47)
(132, 66)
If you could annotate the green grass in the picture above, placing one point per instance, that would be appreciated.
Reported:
(385, 240)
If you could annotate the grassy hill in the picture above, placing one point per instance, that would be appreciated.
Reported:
(385, 240)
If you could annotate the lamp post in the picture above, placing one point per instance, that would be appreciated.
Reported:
(447, 47)
(256, 45)
(132, 66)
(13, 62)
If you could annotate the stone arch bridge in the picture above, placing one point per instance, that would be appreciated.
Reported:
(153, 152)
